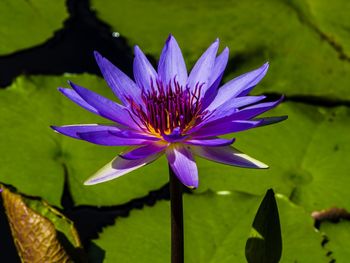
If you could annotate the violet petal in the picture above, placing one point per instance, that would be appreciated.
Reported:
(105, 107)
(202, 70)
(270, 120)
(118, 167)
(144, 151)
(183, 165)
(72, 130)
(108, 139)
(227, 155)
(254, 110)
(144, 72)
(239, 86)
(232, 106)
(210, 142)
(171, 63)
(121, 85)
(75, 97)
(215, 78)
(221, 128)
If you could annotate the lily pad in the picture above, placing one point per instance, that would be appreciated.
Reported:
(331, 20)
(29, 23)
(217, 226)
(302, 62)
(307, 154)
(35, 159)
(338, 236)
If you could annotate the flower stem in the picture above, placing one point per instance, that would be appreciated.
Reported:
(177, 231)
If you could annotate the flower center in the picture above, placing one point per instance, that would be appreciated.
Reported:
(168, 107)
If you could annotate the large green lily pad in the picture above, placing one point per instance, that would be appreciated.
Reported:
(330, 19)
(307, 155)
(338, 236)
(26, 23)
(35, 158)
(217, 226)
(302, 61)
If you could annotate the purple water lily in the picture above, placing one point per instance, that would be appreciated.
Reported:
(168, 111)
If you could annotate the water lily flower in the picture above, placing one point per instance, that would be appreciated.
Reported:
(170, 112)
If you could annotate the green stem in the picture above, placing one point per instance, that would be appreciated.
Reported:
(177, 231)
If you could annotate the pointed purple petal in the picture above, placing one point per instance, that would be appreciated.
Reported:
(108, 139)
(171, 63)
(145, 151)
(143, 70)
(270, 120)
(255, 110)
(210, 142)
(221, 128)
(72, 130)
(134, 134)
(219, 66)
(247, 113)
(75, 97)
(227, 155)
(230, 107)
(201, 72)
(105, 107)
(239, 86)
(121, 85)
(118, 167)
(215, 78)
(184, 166)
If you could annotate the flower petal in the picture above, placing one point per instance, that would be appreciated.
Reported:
(219, 66)
(239, 86)
(105, 107)
(210, 142)
(108, 139)
(215, 77)
(230, 107)
(121, 85)
(254, 110)
(227, 155)
(118, 167)
(145, 151)
(271, 120)
(233, 114)
(75, 97)
(221, 128)
(72, 130)
(183, 165)
(171, 63)
(134, 134)
(202, 70)
(144, 72)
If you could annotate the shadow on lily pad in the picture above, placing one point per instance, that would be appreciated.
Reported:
(265, 242)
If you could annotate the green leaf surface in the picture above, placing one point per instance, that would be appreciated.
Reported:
(307, 155)
(35, 158)
(216, 229)
(303, 61)
(338, 236)
(330, 19)
(26, 23)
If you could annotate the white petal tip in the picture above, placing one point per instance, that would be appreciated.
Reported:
(88, 183)
(254, 162)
